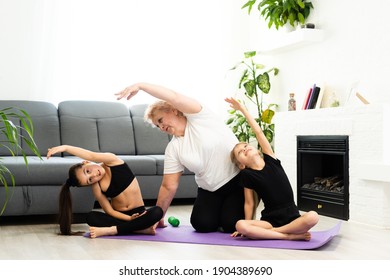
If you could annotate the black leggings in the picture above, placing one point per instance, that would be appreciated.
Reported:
(101, 219)
(219, 209)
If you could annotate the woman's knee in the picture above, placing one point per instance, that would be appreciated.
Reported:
(203, 224)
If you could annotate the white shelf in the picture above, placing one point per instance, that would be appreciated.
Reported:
(373, 172)
(294, 39)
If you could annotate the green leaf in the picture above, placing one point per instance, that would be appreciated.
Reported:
(244, 77)
(259, 66)
(249, 4)
(263, 82)
(241, 120)
(249, 54)
(229, 121)
(301, 18)
(242, 137)
(250, 88)
(300, 4)
(269, 135)
(267, 116)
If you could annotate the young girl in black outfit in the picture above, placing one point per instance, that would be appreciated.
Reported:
(111, 179)
(280, 218)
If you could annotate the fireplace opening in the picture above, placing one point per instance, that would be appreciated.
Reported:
(323, 175)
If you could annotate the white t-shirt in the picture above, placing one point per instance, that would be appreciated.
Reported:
(204, 149)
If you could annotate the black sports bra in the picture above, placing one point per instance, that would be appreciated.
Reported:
(121, 178)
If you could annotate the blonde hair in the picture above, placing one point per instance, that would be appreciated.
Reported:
(158, 106)
(233, 156)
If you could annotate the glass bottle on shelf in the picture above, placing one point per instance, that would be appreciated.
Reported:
(292, 103)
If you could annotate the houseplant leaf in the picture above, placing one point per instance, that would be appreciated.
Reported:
(267, 116)
(15, 134)
(250, 88)
(263, 82)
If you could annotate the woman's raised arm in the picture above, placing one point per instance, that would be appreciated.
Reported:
(181, 102)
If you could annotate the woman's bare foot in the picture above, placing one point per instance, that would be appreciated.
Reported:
(101, 231)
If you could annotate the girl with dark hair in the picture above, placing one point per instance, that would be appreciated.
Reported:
(114, 187)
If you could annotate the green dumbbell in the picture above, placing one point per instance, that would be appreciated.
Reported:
(173, 221)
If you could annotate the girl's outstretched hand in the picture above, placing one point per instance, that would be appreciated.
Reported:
(234, 103)
(55, 150)
(128, 92)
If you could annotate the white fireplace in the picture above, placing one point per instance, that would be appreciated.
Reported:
(368, 128)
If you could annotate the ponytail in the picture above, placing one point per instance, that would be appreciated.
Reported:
(65, 217)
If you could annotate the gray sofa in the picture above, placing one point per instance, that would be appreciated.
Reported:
(95, 125)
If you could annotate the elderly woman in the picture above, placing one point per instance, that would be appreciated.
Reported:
(202, 143)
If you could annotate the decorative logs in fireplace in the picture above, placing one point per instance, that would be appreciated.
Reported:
(330, 184)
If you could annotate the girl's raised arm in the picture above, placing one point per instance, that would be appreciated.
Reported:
(263, 141)
(107, 158)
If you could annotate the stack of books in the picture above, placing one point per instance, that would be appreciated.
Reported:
(313, 98)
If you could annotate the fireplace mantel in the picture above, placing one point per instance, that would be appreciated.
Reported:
(368, 128)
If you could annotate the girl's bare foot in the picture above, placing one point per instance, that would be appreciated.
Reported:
(301, 236)
(149, 231)
(101, 231)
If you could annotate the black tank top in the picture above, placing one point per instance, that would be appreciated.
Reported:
(121, 178)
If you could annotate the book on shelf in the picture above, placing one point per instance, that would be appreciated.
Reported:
(310, 97)
(320, 97)
(314, 97)
(307, 98)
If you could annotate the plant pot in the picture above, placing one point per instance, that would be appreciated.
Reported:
(288, 28)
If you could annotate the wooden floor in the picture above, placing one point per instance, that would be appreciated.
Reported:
(32, 247)
(31, 240)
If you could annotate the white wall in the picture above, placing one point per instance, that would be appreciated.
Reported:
(89, 49)
(354, 52)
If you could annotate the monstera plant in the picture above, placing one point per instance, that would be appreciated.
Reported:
(254, 84)
(16, 127)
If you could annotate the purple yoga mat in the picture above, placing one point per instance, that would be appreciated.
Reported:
(186, 234)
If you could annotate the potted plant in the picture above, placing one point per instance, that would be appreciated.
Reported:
(11, 137)
(281, 12)
(254, 84)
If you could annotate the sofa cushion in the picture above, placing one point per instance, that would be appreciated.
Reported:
(43, 200)
(99, 126)
(149, 140)
(39, 172)
(141, 165)
(45, 122)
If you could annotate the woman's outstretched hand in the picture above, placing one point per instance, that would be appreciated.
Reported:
(128, 92)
